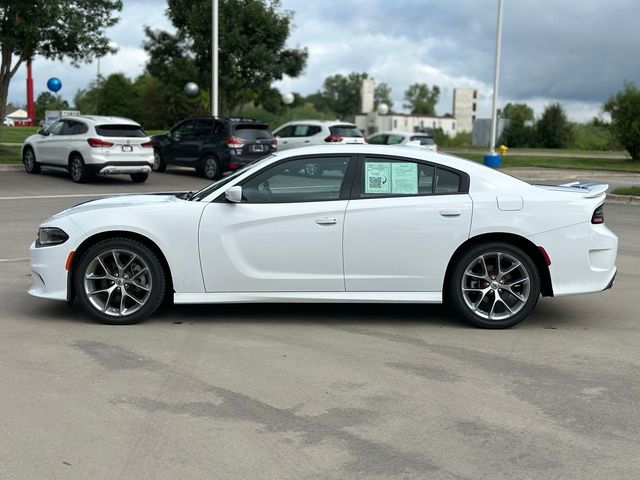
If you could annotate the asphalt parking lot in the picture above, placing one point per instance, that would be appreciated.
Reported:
(310, 391)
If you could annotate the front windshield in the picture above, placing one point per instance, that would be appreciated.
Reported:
(200, 194)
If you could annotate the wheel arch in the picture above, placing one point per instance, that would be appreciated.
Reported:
(87, 243)
(72, 154)
(546, 286)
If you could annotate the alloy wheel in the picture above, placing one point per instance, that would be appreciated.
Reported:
(117, 282)
(495, 286)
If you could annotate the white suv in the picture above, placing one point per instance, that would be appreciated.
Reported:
(425, 140)
(87, 145)
(300, 133)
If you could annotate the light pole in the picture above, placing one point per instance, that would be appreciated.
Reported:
(214, 58)
(496, 81)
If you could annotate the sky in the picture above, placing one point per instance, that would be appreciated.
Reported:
(576, 52)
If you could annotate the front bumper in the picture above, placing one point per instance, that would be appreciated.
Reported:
(48, 264)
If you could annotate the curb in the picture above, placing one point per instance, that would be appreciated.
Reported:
(628, 199)
(11, 167)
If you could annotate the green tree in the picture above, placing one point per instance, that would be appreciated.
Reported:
(553, 130)
(118, 97)
(624, 108)
(341, 94)
(53, 29)
(421, 99)
(519, 131)
(87, 99)
(49, 101)
(253, 52)
(382, 94)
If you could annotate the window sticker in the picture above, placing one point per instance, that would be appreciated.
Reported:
(377, 176)
(396, 178)
(404, 178)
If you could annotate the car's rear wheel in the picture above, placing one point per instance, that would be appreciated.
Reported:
(494, 285)
(29, 160)
(119, 281)
(158, 162)
(139, 177)
(210, 168)
(78, 170)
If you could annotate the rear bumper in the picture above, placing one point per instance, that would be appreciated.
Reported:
(583, 258)
(115, 168)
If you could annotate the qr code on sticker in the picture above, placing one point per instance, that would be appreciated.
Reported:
(375, 182)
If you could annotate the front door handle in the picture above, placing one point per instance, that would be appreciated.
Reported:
(451, 212)
(326, 220)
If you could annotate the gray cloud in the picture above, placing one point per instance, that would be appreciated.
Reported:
(572, 51)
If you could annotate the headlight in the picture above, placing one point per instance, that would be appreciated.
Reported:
(48, 236)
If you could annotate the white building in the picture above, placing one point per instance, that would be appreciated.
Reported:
(373, 122)
(465, 105)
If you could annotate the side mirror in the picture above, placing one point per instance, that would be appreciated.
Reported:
(43, 131)
(234, 194)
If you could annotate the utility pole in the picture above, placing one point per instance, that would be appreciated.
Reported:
(214, 58)
(496, 81)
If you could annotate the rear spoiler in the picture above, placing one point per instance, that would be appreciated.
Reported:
(592, 190)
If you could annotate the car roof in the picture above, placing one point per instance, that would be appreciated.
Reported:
(101, 119)
(408, 134)
(328, 123)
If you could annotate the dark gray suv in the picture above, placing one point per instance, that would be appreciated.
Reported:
(213, 145)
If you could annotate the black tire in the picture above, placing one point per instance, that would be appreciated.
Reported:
(509, 297)
(29, 161)
(159, 164)
(210, 168)
(78, 170)
(139, 177)
(155, 280)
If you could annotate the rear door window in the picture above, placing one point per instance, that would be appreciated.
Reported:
(377, 139)
(394, 139)
(345, 131)
(203, 127)
(120, 131)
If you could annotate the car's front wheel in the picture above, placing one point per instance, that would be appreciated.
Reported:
(29, 160)
(119, 281)
(494, 285)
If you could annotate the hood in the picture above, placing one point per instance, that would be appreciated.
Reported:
(123, 201)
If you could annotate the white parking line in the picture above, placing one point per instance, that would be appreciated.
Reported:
(6, 260)
(76, 195)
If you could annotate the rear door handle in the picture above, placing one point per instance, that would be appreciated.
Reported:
(451, 212)
(326, 220)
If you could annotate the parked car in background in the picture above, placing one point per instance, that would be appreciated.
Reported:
(7, 122)
(402, 138)
(86, 145)
(300, 133)
(213, 145)
(381, 224)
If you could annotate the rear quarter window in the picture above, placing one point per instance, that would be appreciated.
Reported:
(423, 140)
(120, 131)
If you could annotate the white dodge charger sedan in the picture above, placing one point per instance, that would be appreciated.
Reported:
(380, 224)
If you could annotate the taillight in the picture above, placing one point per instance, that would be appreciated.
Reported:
(234, 142)
(147, 145)
(598, 215)
(274, 142)
(96, 142)
(333, 138)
